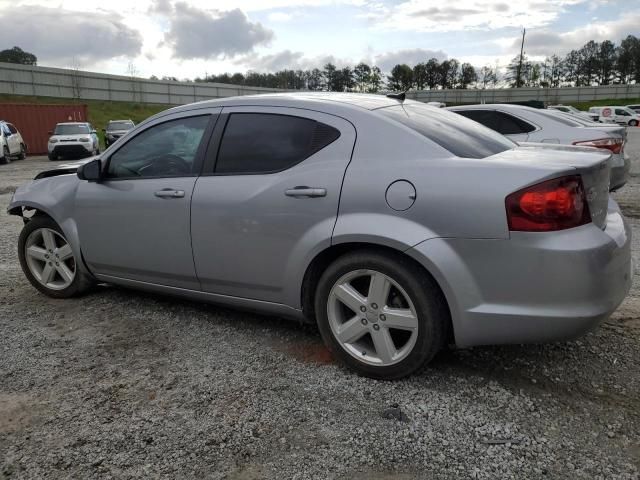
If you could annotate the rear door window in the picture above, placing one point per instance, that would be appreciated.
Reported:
(488, 118)
(460, 136)
(268, 143)
(510, 125)
(12, 129)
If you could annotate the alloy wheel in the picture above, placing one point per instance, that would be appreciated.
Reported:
(50, 258)
(372, 317)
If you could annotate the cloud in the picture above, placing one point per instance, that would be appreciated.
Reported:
(289, 60)
(546, 42)
(280, 17)
(437, 16)
(196, 33)
(62, 36)
(388, 60)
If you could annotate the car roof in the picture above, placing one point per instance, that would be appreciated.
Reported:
(126, 120)
(347, 100)
(72, 123)
(501, 106)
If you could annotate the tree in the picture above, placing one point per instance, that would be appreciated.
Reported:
(330, 77)
(624, 60)
(571, 68)
(401, 78)
(518, 71)
(487, 76)
(449, 75)
(589, 65)
(362, 76)
(420, 75)
(17, 55)
(315, 80)
(468, 75)
(375, 80)
(433, 73)
(607, 61)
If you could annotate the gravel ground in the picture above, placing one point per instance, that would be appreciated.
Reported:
(120, 384)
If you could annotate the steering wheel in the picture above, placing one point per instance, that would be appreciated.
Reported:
(167, 164)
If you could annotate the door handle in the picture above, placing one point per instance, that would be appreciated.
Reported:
(298, 192)
(169, 193)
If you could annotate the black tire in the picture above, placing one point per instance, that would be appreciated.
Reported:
(52, 157)
(430, 305)
(23, 152)
(6, 156)
(83, 280)
(633, 123)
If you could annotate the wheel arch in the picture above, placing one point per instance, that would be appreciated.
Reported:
(325, 257)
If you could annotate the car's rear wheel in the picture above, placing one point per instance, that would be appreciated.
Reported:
(48, 261)
(380, 314)
(23, 152)
(5, 155)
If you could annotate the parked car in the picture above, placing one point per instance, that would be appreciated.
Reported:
(73, 139)
(395, 226)
(437, 104)
(635, 108)
(527, 124)
(572, 111)
(12, 145)
(116, 129)
(619, 115)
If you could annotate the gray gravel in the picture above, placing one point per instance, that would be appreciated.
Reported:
(120, 384)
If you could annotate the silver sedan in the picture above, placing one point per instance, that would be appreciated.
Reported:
(527, 124)
(396, 227)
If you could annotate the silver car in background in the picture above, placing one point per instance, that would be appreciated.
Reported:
(396, 227)
(527, 124)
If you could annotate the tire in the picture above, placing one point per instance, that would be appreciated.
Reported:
(23, 152)
(6, 156)
(633, 123)
(52, 157)
(55, 285)
(410, 289)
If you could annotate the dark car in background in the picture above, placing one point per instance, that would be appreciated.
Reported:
(116, 129)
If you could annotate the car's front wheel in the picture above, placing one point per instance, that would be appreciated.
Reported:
(633, 123)
(48, 261)
(380, 314)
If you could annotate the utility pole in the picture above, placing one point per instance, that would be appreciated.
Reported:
(519, 76)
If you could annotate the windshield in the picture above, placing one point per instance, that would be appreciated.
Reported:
(455, 133)
(71, 129)
(120, 126)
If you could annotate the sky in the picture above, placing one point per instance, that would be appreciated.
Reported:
(192, 38)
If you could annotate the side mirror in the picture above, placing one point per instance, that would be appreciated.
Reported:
(91, 171)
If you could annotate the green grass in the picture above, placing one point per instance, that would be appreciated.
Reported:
(100, 112)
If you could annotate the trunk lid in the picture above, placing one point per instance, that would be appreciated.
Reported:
(592, 164)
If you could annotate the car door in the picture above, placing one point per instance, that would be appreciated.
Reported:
(9, 142)
(268, 198)
(14, 140)
(622, 116)
(135, 223)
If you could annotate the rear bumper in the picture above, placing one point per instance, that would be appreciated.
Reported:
(533, 287)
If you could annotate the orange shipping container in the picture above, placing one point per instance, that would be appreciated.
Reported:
(35, 121)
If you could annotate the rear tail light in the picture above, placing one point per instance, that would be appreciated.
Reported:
(556, 204)
(614, 145)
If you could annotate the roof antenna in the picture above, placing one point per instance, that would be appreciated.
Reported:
(398, 96)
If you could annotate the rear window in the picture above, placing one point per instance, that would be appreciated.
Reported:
(71, 129)
(120, 126)
(455, 133)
